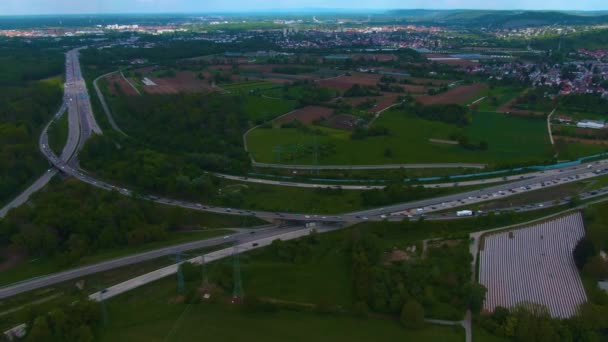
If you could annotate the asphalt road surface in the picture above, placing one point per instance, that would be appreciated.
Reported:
(236, 238)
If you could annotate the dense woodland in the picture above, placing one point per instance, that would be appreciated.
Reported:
(71, 220)
(27, 102)
(207, 128)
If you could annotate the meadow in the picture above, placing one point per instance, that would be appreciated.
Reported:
(509, 139)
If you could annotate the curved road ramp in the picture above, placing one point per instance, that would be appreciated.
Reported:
(534, 265)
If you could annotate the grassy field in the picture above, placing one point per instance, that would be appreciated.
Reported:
(150, 313)
(502, 94)
(260, 109)
(147, 315)
(571, 150)
(510, 140)
(58, 134)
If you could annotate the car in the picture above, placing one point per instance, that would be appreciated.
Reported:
(255, 244)
(227, 237)
(383, 216)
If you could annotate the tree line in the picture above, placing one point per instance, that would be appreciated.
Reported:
(26, 104)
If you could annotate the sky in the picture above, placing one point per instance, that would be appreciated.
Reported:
(13, 7)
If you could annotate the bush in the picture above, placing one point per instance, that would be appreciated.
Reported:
(583, 251)
(412, 315)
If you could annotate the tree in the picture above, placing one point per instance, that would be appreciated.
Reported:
(597, 267)
(388, 152)
(477, 294)
(40, 331)
(583, 251)
(83, 334)
(412, 315)
(361, 309)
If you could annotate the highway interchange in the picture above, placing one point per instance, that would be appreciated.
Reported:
(82, 125)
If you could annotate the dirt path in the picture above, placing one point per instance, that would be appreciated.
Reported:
(549, 126)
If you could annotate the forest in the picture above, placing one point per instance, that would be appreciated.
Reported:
(207, 128)
(71, 220)
(27, 101)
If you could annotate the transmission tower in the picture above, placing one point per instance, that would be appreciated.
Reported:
(237, 294)
(180, 275)
(204, 278)
(277, 153)
(104, 310)
(315, 157)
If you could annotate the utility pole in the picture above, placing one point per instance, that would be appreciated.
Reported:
(237, 294)
(316, 154)
(104, 311)
(180, 275)
(277, 153)
(205, 279)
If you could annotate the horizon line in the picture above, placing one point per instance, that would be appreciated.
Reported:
(296, 10)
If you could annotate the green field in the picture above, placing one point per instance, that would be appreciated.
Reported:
(146, 315)
(58, 134)
(260, 109)
(510, 140)
(502, 95)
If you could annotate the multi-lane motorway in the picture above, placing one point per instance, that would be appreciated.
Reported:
(236, 239)
(82, 125)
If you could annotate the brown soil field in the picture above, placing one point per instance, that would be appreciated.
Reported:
(307, 115)
(382, 102)
(145, 70)
(380, 57)
(425, 81)
(343, 121)
(506, 108)
(184, 81)
(581, 140)
(345, 82)
(115, 80)
(459, 95)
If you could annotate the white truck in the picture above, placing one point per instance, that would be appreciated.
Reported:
(463, 213)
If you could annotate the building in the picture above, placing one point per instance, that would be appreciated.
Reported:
(591, 124)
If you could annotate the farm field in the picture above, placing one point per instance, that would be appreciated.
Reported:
(116, 84)
(307, 115)
(497, 97)
(183, 81)
(535, 265)
(460, 94)
(510, 140)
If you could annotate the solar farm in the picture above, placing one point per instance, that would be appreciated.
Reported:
(534, 265)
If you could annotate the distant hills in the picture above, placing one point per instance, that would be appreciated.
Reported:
(504, 19)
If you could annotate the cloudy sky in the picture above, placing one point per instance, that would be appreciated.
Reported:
(10, 7)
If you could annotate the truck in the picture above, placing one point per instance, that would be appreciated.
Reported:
(463, 213)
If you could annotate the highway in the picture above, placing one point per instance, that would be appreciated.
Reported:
(43, 180)
(372, 167)
(83, 126)
(236, 238)
(525, 183)
(239, 247)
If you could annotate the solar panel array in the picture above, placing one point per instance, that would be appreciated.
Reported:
(534, 265)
